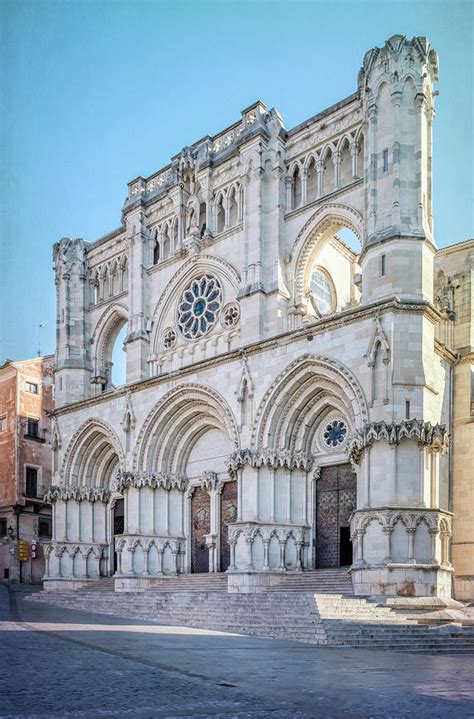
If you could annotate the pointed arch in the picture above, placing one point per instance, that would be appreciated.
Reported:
(291, 407)
(106, 331)
(93, 455)
(176, 422)
(318, 230)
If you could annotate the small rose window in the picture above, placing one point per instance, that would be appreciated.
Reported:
(199, 305)
(335, 433)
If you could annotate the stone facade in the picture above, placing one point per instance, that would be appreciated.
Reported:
(26, 398)
(265, 352)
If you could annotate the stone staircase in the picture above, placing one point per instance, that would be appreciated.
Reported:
(190, 583)
(318, 581)
(324, 619)
(362, 623)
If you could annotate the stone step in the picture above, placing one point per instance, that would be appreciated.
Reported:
(307, 617)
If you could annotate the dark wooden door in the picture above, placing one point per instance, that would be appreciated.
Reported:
(228, 516)
(335, 500)
(119, 522)
(200, 526)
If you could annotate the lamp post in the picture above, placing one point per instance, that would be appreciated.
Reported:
(40, 327)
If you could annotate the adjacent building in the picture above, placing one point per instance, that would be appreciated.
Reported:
(26, 399)
(294, 400)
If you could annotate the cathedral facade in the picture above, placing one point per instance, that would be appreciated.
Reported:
(290, 401)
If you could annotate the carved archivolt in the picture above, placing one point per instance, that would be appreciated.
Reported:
(324, 222)
(309, 373)
(435, 436)
(82, 442)
(173, 423)
(113, 317)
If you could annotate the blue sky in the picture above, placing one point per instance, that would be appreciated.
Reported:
(95, 93)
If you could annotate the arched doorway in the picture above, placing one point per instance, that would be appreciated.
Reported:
(118, 526)
(336, 496)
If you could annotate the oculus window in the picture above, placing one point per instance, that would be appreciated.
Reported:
(199, 306)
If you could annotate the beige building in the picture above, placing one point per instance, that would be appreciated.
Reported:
(298, 359)
(26, 397)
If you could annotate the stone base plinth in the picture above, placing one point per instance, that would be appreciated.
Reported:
(464, 588)
(251, 583)
(61, 584)
(402, 580)
(132, 584)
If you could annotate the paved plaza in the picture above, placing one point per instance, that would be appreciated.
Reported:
(59, 663)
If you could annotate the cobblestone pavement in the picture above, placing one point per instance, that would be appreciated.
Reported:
(58, 663)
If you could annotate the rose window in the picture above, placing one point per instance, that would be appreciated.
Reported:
(199, 305)
(335, 433)
(230, 315)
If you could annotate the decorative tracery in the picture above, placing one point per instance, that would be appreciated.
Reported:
(199, 305)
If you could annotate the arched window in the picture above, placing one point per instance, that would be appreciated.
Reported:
(124, 277)
(296, 190)
(220, 214)
(311, 181)
(106, 284)
(233, 209)
(322, 291)
(328, 174)
(166, 242)
(117, 371)
(156, 253)
(345, 170)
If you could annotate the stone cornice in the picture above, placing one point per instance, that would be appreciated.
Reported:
(78, 493)
(154, 480)
(270, 458)
(443, 351)
(435, 436)
(341, 319)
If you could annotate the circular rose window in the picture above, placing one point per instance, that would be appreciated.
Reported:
(321, 291)
(335, 433)
(199, 305)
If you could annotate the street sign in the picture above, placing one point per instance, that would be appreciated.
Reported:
(22, 549)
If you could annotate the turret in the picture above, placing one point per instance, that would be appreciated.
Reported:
(396, 86)
(73, 366)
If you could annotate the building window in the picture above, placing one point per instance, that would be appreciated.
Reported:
(3, 423)
(31, 484)
(44, 528)
(335, 433)
(407, 409)
(3, 527)
(33, 428)
(385, 160)
(198, 307)
(322, 293)
(383, 265)
(32, 387)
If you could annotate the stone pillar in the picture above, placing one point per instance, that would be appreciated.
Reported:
(282, 543)
(60, 526)
(266, 565)
(387, 531)
(133, 520)
(232, 567)
(411, 543)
